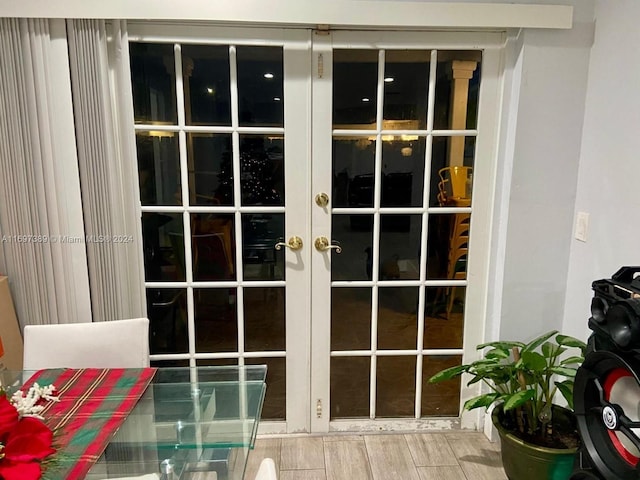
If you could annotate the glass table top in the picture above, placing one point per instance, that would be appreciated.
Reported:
(188, 420)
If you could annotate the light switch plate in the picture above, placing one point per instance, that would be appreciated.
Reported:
(582, 226)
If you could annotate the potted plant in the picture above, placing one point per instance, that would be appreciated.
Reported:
(539, 439)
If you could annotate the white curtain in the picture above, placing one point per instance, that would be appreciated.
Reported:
(41, 227)
(103, 107)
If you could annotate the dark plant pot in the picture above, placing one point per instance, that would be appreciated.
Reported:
(526, 461)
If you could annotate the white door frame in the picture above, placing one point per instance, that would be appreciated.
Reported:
(484, 184)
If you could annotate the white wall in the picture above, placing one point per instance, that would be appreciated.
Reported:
(609, 173)
(547, 127)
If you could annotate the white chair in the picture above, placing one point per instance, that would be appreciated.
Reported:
(113, 344)
(267, 470)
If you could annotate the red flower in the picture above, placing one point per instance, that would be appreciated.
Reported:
(26, 442)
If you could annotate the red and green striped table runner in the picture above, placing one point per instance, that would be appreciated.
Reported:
(93, 404)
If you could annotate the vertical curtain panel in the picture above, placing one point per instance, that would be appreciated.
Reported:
(41, 225)
(103, 108)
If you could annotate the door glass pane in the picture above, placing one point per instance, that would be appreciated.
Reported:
(216, 321)
(397, 318)
(354, 233)
(350, 319)
(355, 80)
(207, 89)
(444, 317)
(262, 169)
(406, 84)
(153, 82)
(158, 168)
(163, 237)
(396, 386)
(443, 398)
(353, 167)
(457, 87)
(260, 86)
(448, 246)
(167, 312)
(400, 247)
(350, 386)
(210, 169)
(260, 233)
(274, 407)
(403, 171)
(212, 246)
(452, 178)
(264, 310)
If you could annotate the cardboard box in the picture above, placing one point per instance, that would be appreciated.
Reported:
(9, 329)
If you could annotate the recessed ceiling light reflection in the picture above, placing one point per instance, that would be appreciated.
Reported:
(210, 90)
(389, 79)
(268, 75)
(365, 99)
(276, 99)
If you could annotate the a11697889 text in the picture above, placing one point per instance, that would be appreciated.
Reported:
(63, 239)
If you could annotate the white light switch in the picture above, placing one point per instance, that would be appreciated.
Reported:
(582, 226)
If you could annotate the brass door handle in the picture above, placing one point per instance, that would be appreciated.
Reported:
(294, 243)
(322, 245)
(322, 199)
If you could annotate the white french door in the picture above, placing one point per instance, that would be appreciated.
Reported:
(307, 202)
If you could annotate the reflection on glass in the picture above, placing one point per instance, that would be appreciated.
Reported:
(262, 170)
(448, 246)
(264, 314)
(274, 407)
(206, 84)
(158, 168)
(167, 312)
(354, 233)
(444, 317)
(355, 79)
(216, 325)
(396, 386)
(260, 86)
(350, 387)
(260, 233)
(153, 83)
(211, 169)
(457, 84)
(163, 239)
(443, 398)
(406, 83)
(353, 167)
(350, 318)
(403, 171)
(400, 237)
(212, 246)
(397, 318)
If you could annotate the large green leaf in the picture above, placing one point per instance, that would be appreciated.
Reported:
(481, 401)
(533, 361)
(498, 353)
(575, 360)
(536, 342)
(505, 345)
(448, 373)
(566, 389)
(566, 371)
(570, 341)
(519, 398)
(550, 349)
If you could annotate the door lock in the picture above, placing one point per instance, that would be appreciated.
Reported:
(322, 199)
(294, 243)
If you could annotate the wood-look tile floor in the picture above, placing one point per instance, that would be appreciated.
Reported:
(409, 456)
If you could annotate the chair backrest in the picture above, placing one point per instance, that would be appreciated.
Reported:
(114, 344)
(267, 470)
